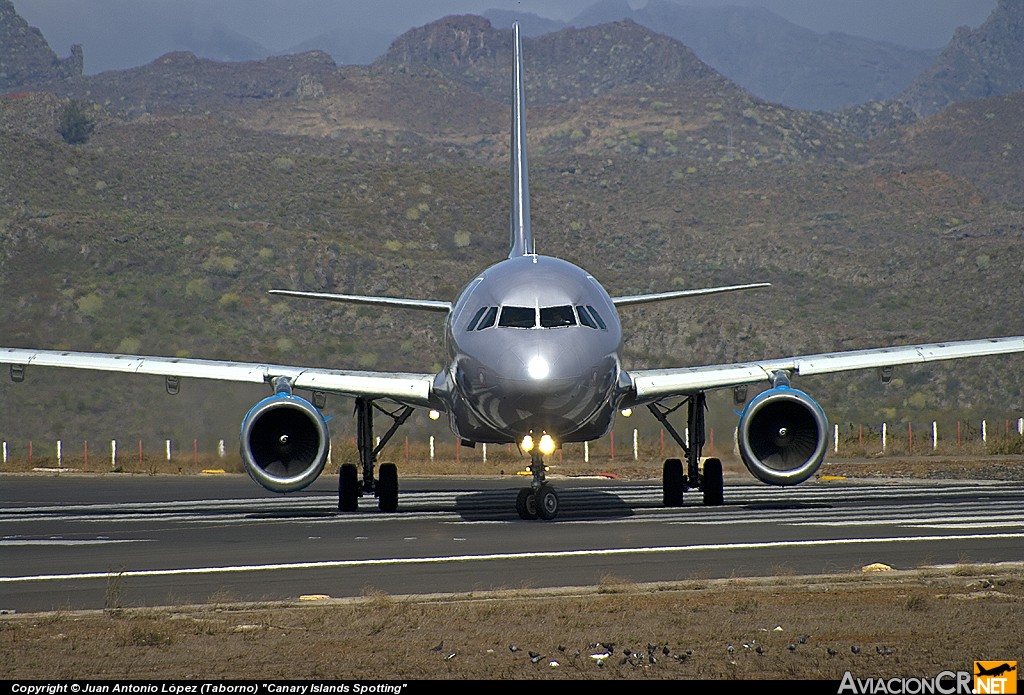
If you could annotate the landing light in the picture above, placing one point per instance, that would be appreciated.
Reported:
(527, 443)
(547, 445)
(538, 368)
(434, 414)
(626, 412)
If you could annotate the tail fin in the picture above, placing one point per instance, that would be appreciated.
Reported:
(521, 242)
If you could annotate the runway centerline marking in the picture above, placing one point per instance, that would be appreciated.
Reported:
(340, 564)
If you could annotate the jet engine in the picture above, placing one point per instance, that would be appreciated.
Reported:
(782, 436)
(284, 443)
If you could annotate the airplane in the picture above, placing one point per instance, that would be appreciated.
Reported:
(995, 670)
(533, 357)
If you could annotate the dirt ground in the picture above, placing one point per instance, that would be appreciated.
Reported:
(873, 624)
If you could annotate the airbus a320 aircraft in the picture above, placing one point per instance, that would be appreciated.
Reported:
(533, 358)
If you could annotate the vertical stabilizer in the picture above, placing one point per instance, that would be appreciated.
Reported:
(521, 236)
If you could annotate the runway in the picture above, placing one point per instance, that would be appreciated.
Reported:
(74, 542)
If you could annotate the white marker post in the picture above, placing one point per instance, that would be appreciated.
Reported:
(883, 437)
(484, 452)
(168, 450)
(5, 452)
(636, 446)
(113, 454)
(431, 447)
(935, 435)
(984, 432)
(835, 439)
(220, 449)
(586, 452)
(59, 459)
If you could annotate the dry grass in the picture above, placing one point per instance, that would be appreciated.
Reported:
(931, 620)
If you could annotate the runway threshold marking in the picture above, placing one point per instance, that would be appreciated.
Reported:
(339, 564)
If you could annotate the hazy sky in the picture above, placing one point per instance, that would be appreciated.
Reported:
(123, 33)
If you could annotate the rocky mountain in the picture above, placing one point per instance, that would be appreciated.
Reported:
(25, 57)
(186, 82)
(530, 24)
(977, 63)
(978, 140)
(772, 57)
(567, 65)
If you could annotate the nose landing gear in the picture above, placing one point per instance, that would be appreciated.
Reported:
(539, 501)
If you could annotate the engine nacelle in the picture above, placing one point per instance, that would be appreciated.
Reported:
(782, 437)
(284, 443)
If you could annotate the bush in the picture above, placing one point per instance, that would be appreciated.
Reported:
(76, 125)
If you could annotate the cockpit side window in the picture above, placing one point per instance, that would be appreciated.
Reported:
(585, 318)
(488, 320)
(597, 317)
(476, 317)
(518, 317)
(557, 316)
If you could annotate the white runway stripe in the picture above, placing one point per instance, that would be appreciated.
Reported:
(834, 542)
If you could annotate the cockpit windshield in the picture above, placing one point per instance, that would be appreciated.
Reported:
(557, 316)
(527, 317)
(518, 317)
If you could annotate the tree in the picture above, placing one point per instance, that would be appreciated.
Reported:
(76, 125)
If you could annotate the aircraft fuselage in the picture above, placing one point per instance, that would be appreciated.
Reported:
(532, 347)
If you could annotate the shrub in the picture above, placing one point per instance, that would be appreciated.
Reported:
(76, 125)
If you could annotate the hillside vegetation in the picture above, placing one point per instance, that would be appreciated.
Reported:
(206, 184)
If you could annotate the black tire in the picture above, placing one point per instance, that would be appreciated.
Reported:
(547, 502)
(712, 483)
(387, 488)
(672, 483)
(526, 504)
(348, 488)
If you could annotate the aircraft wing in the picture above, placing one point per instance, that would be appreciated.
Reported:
(399, 302)
(410, 389)
(679, 294)
(654, 384)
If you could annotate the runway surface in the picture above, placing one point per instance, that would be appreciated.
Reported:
(84, 542)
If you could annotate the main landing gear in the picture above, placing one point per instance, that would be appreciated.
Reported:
(706, 478)
(539, 501)
(385, 487)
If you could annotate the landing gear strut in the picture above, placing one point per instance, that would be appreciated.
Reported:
(385, 488)
(540, 499)
(707, 479)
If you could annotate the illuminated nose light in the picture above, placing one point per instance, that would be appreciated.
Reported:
(538, 368)
(527, 444)
(626, 412)
(547, 445)
(434, 414)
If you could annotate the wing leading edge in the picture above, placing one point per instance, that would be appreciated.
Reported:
(654, 384)
(396, 302)
(410, 389)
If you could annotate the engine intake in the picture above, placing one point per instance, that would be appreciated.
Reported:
(284, 443)
(783, 435)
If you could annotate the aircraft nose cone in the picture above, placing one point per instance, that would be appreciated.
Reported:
(538, 367)
(540, 363)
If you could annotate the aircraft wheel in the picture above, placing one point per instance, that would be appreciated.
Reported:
(526, 504)
(672, 483)
(387, 487)
(712, 480)
(348, 488)
(547, 502)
